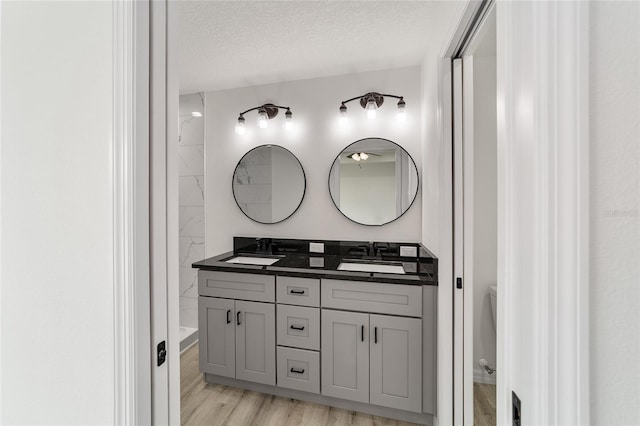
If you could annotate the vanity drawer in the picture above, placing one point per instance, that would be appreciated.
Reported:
(298, 326)
(298, 291)
(298, 369)
(232, 285)
(395, 299)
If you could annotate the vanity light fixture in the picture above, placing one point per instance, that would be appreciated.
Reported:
(371, 102)
(265, 113)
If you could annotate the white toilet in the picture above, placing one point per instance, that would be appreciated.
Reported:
(493, 293)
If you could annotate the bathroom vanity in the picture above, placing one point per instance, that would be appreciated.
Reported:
(347, 324)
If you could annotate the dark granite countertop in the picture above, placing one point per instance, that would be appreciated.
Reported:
(295, 260)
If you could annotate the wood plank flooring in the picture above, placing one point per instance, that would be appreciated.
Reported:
(484, 404)
(212, 405)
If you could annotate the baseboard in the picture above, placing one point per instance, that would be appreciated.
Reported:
(480, 376)
(189, 340)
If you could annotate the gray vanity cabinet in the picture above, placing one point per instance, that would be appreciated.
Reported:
(374, 359)
(256, 342)
(240, 339)
(217, 336)
(345, 355)
(396, 362)
(236, 316)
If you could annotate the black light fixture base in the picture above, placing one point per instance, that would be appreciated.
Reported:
(271, 109)
(377, 97)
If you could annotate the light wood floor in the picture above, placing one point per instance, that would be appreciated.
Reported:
(207, 404)
(484, 404)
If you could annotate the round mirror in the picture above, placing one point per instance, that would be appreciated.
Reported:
(373, 181)
(269, 184)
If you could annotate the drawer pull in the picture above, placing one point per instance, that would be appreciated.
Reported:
(238, 317)
(229, 316)
(295, 370)
(294, 291)
(297, 327)
(362, 333)
(375, 334)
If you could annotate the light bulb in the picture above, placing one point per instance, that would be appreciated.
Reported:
(240, 129)
(356, 156)
(343, 119)
(288, 120)
(402, 113)
(263, 119)
(363, 156)
(371, 108)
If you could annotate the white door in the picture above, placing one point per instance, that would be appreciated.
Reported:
(345, 355)
(216, 325)
(256, 342)
(396, 362)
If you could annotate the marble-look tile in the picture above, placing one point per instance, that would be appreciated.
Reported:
(258, 212)
(189, 312)
(258, 157)
(191, 249)
(188, 282)
(191, 160)
(191, 221)
(253, 174)
(191, 191)
(191, 131)
(259, 193)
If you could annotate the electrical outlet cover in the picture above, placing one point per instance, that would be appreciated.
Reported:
(408, 251)
(316, 247)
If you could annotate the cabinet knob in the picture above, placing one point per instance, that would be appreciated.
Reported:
(238, 317)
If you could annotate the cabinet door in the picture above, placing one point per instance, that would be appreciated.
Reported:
(217, 336)
(396, 362)
(345, 355)
(256, 342)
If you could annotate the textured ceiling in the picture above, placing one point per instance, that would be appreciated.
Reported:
(226, 44)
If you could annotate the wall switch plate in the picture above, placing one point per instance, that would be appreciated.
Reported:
(316, 247)
(408, 251)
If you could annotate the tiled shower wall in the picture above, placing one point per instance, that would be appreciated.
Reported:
(191, 203)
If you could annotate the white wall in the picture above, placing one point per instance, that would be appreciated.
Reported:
(615, 212)
(191, 203)
(316, 141)
(485, 205)
(371, 196)
(57, 321)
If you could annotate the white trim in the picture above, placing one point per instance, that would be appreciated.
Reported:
(132, 402)
(458, 245)
(445, 258)
(468, 209)
(543, 137)
(173, 225)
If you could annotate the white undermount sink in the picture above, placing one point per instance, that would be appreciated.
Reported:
(371, 267)
(247, 260)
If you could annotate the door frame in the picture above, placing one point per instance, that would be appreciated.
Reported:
(145, 194)
(553, 39)
(130, 185)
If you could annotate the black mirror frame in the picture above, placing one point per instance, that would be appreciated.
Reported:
(368, 224)
(304, 190)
